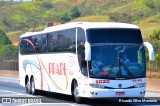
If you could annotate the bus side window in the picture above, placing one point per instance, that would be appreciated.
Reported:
(30, 46)
(40, 43)
(62, 41)
(52, 42)
(23, 46)
(71, 40)
(44, 44)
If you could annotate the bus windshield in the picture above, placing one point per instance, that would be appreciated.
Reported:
(117, 61)
(114, 35)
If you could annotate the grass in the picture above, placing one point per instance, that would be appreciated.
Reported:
(154, 18)
(147, 28)
(93, 19)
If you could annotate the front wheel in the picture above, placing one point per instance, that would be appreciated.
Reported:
(76, 94)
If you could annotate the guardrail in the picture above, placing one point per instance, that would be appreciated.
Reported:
(9, 63)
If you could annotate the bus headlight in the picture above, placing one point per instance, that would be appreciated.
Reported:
(140, 85)
(97, 86)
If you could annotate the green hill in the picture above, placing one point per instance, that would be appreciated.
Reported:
(93, 18)
(154, 18)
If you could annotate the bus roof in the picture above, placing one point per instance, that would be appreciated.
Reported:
(84, 25)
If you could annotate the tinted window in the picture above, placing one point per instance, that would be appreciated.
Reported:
(52, 42)
(62, 41)
(114, 35)
(23, 46)
(40, 43)
(80, 35)
(58, 41)
(30, 46)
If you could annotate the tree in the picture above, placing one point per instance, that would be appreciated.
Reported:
(64, 16)
(74, 12)
(157, 58)
(155, 37)
(4, 40)
(9, 51)
(156, 34)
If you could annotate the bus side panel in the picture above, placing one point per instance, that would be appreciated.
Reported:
(58, 71)
(51, 72)
(22, 73)
(29, 67)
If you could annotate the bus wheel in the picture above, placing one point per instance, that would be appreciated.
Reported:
(28, 87)
(76, 94)
(33, 89)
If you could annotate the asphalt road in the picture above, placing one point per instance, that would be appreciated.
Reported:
(11, 89)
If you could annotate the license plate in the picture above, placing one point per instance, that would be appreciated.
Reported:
(120, 93)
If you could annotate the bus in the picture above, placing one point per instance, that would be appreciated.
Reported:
(62, 59)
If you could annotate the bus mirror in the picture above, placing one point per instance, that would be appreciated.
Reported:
(150, 50)
(87, 51)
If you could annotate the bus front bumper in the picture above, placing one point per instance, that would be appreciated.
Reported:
(103, 93)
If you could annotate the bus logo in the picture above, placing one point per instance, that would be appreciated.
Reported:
(120, 85)
(71, 61)
(57, 68)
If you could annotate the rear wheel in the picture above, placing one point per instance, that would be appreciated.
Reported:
(28, 87)
(33, 89)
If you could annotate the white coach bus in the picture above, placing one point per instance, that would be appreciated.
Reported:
(85, 59)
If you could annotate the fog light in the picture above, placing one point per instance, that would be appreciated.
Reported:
(92, 93)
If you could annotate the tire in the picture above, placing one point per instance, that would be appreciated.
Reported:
(33, 89)
(76, 94)
(28, 87)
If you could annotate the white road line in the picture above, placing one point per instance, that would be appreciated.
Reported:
(15, 93)
(6, 95)
(152, 94)
(49, 104)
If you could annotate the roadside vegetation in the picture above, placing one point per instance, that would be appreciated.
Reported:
(6, 47)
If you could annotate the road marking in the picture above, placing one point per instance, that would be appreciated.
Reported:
(14, 93)
(7, 95)
(57, 104)
(152, 94)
